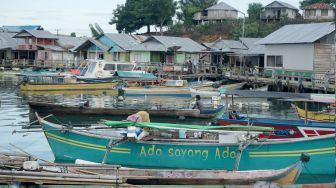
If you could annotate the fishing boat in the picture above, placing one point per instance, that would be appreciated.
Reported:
(43, 107)
(208, 92)
(324, 116)
(39, 71)
(100, 70)
(58, 82)
(285, 129)
(206, 150)
(173, 88)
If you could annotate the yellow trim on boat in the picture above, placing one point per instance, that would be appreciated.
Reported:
(87, 145)
(291, 155)
(70, 86)
(293, 151)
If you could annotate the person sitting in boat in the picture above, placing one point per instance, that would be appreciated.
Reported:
(86, 103)
(198, 104)
(134, 132)
(233, 115)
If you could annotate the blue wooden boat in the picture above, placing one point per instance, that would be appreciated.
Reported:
(162, 151)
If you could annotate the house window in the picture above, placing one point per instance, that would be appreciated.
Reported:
(100, 55)
(312, 12)
(324, 12)
(116, 56)
(274, 61)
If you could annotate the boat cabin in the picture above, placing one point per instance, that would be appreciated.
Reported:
(103, 69)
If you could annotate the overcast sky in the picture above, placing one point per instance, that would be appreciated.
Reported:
(75, 15)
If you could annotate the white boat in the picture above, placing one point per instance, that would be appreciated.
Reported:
(97, 70)
(208, 92)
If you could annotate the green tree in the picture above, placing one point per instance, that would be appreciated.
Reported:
(73, 34)
(189, 7)
(305, 3)
(254, 10)
(137, 13)
(164, 16)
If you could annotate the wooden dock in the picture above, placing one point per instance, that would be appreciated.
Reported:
(283, 81)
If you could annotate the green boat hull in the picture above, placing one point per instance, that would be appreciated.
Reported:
(68, 146)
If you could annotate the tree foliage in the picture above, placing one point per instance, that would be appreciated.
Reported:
(73, 34)
(254, 10)
(136, 14)
(189, 7)
(305, 3)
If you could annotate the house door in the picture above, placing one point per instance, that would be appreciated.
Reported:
(137, 57)
(169, 58)
(278, 14)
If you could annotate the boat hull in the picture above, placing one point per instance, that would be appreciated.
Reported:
(284, 129)
(62, 109)
(68, 86)
(315, 116)
(158, 91)
(68, 146)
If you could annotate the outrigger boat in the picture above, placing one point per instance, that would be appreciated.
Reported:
(54, 83)
(284, 128)
(207, 113)
(208, 92)
(323, 116)
(199, 148)
(174, 88)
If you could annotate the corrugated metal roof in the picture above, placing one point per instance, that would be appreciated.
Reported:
(253, 47)
(299, 33)
(127, 42)
(221, 6)
(37, 34)
(7, 41)
(99, 44)
(52, 47)
(226, 46)
(65, 41)
(280, 5)
(89, 41)
(166, 43)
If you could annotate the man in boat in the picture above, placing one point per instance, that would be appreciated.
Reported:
(198, 104)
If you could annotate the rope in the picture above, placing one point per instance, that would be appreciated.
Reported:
(311, 174)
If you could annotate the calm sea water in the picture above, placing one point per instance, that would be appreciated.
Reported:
(15, 113)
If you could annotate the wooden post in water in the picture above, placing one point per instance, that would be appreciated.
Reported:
(232, 101)
(227, 103)
(306, 112)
